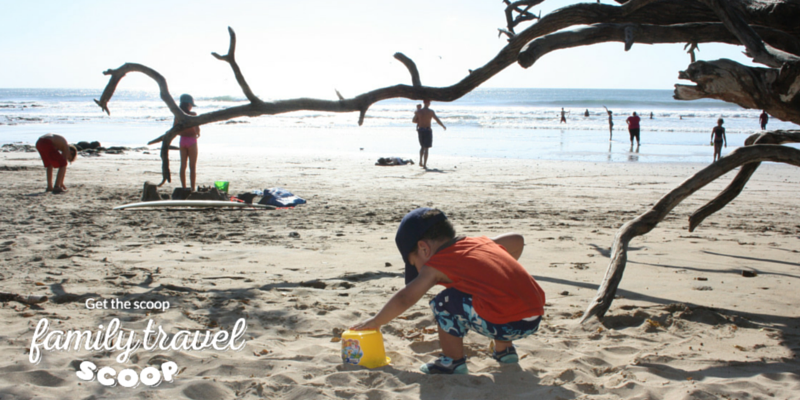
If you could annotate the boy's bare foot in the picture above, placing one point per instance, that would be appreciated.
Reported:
(59, 190)
(48, 189)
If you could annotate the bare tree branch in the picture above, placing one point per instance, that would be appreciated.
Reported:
(629, 20)
(756, 48)
(737, 184)
(412, 69)
(522, 14)
(119, 73)
(647, 221)
(758, 88)
(231, 59)
(639, 33)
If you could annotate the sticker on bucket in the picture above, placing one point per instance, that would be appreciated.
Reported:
(351, 351)
(364, 348)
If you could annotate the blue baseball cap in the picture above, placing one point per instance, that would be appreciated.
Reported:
(411, 229)
(187, 99)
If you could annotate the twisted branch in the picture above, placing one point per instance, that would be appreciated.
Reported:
(639, 33)
(748, 87)
(412, 69)
(756, 48)
(629, 17)
(230, 59)
(737, 184)
(647, 221)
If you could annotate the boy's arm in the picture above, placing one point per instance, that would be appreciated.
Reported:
(416, 116)
(512, 242)
(402, 300)
(439, 122)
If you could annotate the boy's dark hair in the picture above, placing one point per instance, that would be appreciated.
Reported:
(73, 153)
(440, 230)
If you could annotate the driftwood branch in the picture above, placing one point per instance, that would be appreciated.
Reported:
(647, 221)
(737, 184)
(637, 33)
(522, 14)
(748, 87)
(412, 69)
(756, 48)
(230, 58)
(631, 22)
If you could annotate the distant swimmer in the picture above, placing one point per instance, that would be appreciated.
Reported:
(423, 117)
(610, 123)
(563, 115)
(651, 115)
(586, 114)
(763, 119)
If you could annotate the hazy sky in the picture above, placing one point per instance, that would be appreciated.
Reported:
(293, 49)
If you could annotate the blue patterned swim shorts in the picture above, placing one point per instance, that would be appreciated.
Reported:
(455, 315)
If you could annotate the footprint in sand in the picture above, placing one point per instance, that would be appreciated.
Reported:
(206, 391)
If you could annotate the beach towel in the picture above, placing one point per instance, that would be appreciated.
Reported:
(280, 197)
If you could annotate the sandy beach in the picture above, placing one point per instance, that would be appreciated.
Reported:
(686, 324)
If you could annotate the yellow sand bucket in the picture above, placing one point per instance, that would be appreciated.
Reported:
(364, 348)
(222, 186)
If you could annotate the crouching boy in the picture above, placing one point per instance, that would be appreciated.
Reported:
(487, 290)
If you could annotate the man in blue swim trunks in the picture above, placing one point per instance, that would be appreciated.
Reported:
(423, 117)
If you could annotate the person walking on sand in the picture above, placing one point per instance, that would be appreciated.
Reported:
(423, 117)
(633, 128)
(55, 153)
(718, 137)
(563, 116)
(763, 119)
(188, 144)
(610, 124)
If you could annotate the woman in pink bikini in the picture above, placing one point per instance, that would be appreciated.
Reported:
(188, 143)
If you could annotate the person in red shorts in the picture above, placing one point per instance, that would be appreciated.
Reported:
(487, 290)
(55, 152)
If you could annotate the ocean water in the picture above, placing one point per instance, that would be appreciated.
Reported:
(495, 123)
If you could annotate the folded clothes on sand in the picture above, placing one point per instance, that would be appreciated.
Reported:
(280, 197)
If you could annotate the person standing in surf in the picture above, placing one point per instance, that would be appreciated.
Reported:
(633, 128)
(718, 138)
(610, 124)
(188, 144)
(423, 117)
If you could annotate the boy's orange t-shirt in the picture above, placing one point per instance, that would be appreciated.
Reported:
(502, 290)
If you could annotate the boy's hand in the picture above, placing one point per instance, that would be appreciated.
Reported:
(368, 324)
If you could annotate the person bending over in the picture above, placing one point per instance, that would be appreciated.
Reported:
(55, 153)
(486, 289)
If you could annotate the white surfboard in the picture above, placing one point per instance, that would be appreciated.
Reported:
(191, 203)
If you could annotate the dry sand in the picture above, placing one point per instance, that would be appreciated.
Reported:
(686, 323)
